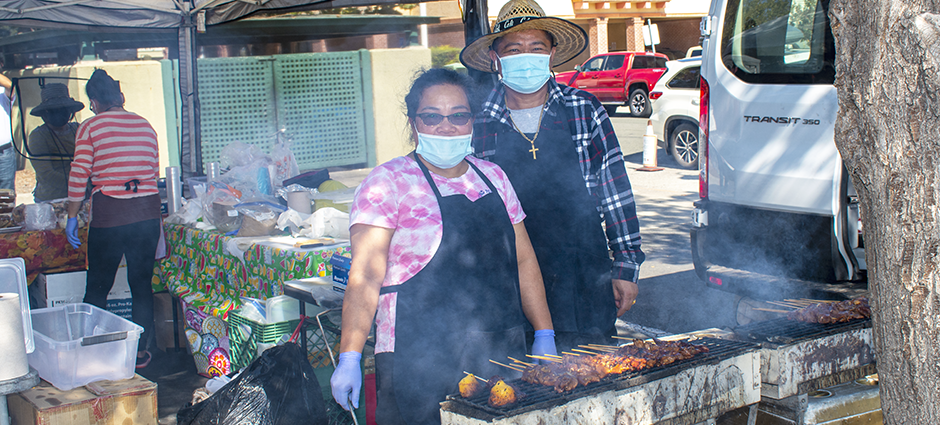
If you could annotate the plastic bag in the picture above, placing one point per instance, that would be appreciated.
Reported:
(237, 154)
(39, 216)
(323, 222)
(219, 208)
(285, 165)
(277, 388)
(258, 218)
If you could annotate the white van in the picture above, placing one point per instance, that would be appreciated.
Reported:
(776, 200)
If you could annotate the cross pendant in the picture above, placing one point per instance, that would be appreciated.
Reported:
(533, 150)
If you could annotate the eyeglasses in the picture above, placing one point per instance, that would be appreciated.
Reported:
(460, 118)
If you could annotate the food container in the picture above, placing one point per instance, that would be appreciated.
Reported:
(77, 344)
(13, 279)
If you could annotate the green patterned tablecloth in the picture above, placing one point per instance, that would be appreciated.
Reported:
(206, 276)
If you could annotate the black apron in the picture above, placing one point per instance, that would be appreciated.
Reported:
(564, 224)
(460, 310)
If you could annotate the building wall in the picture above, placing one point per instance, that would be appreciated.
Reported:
(393, 70)
(148, 90)
(676, 36)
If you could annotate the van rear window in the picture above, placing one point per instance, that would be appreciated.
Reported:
(778, 41)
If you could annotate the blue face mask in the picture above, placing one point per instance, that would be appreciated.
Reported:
(443, 152)
(525, 73)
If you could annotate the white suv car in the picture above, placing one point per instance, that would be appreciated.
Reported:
(675, 101)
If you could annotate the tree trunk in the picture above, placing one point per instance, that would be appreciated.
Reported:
(888, 132)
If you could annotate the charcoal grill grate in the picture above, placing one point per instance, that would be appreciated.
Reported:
(544, 397)
(782, 331)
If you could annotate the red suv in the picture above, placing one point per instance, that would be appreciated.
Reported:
(618, 79)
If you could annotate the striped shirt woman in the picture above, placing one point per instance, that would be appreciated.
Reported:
(117, 151)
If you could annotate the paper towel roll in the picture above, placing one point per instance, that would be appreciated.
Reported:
(13, 362)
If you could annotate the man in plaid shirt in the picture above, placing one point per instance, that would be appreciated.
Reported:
(559, 149)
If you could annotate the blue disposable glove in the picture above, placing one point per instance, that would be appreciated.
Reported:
(71, 232)
(544, 343)
(346, 381)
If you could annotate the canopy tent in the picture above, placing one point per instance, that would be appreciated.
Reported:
(186, 17)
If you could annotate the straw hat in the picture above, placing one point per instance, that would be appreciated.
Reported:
(54, 96)
(520, 15)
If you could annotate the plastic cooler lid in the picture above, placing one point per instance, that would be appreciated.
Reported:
(13, 279)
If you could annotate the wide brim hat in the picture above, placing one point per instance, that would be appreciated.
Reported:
(520, 15)
(56, 96)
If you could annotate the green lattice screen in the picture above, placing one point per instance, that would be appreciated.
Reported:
(316, 98)
(236, 97)
(319, 102)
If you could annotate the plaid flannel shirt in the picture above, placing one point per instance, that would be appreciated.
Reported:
(601, 160)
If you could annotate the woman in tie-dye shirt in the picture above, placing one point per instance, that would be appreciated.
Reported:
(441, 260)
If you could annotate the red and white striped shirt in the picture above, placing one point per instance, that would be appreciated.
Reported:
(114, 148)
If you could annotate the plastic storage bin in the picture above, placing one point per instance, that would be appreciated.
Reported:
(77, 344)
(13, 279)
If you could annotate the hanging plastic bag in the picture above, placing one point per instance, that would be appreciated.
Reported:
(285, 165)
(277, 388)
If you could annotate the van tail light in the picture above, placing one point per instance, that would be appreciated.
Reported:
(655, 95)
(703, 139)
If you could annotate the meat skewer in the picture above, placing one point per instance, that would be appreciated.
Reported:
(515, 368)
(834, 312)
(583, 370)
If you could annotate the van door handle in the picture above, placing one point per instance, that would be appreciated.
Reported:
(695, 101)
(618, 76)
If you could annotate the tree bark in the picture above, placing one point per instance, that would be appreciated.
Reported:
(888, 132)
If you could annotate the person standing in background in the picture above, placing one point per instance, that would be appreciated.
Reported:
(52, 144)
(7, 152)
(117, 150)
(558, 147)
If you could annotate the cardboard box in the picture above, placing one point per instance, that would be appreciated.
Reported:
(128, 402)
(53, 290)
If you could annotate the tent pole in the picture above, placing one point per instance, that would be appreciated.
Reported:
(190, 160)
(476, 24)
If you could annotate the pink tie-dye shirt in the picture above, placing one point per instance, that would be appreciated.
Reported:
(396, 195)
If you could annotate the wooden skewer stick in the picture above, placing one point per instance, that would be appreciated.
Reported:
(782, 304)
(554, 355)
(484, 380)
(542, 358)
(599, 345)
(571, 354)
(624, 338)
(583, 351)
(520, 361)
(771, 310)
(517, 369)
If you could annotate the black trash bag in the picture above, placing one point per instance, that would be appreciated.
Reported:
(277, 388)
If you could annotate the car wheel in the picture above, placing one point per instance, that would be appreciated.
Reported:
(683, 145)
(611, 109)
(640, 104)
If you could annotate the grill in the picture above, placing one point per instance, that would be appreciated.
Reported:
(699, 388)
(798, 357)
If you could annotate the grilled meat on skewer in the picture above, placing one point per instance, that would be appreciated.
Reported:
(572, 371)
(827, 313)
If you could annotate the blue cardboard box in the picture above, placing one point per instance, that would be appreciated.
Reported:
(340, 268)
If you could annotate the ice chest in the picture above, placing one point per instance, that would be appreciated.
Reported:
(77, 344)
